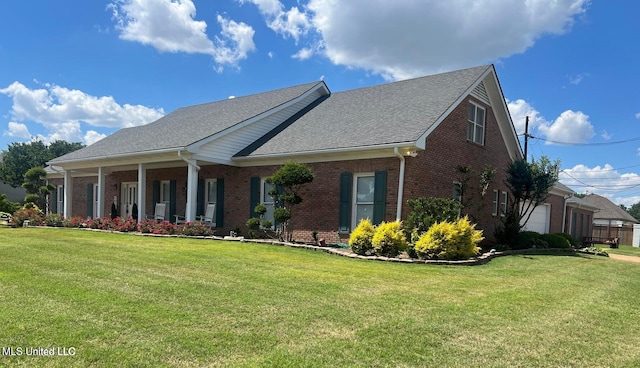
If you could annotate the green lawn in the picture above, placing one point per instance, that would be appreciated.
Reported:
(124, 300)
(624, 249)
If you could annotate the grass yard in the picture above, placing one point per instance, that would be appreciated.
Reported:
(626, 250)
(124, 300)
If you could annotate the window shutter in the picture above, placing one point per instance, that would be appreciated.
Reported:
(220, 202)
(156, 193)
(54, 201)
(172, 200)
(379, 197)
(200, 196)
(346, 182)
(90, 200)
(254, 196)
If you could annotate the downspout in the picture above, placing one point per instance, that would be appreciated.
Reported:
(400, 183)
(564, 212)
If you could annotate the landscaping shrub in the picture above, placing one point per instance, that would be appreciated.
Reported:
(360, 240)
(29, 212)
(53, 220)
(7, 206)
(574, 242)
(450, 240)
(194, 229)
(529, 239)
(388, 239)
(427, 211)
(158, 228)
(76, 221)
(555, 241)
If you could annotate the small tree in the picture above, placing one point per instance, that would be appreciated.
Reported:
(529, 184)
(35, 183)
(288, 178)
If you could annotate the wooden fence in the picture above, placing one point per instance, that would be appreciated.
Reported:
(625, 234)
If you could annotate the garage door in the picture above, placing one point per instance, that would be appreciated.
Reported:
(539, 221)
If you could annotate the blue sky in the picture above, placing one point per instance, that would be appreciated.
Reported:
(79, 70)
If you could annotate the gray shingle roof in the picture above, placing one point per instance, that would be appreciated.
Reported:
(608, 209)
(187, 125)
(384, 114)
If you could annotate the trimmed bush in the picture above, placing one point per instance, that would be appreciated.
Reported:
(53, 220)
(574, 242)
(76, 221)
(555, 241)
(29, 212)
(450, 240)
(360, 240)
(194, 229)
(530, 239)
(428, 211)
(388, 239)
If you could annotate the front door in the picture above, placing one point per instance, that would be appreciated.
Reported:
(129, 197)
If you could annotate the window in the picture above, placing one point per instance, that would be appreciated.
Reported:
(496, 200)
(211, 195)
(475, 126)
(165, 191)
(60, 199)
(95, 202)
(503, 204)
(364, 189)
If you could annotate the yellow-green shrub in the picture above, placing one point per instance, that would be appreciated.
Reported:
(360, 239)
(389, 239)
(450, 240)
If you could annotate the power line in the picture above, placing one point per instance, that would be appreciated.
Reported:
(585, 144)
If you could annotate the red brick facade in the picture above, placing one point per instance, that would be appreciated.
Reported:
(431, 173)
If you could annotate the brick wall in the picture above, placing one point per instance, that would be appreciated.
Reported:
(431, 173)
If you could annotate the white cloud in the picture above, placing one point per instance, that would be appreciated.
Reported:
(577, 79)
(170, 26)
(91, 137)
(605, 181)
(303, 54)
(18, 130)
(61, 111)
(569, 127)
(405, 38)
(638, 115)
(236, 42)
(606, 135)
(291, 23)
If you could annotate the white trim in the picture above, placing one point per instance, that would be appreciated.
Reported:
(495, 202)
(264, 194)
(400, 184)
(504, 203)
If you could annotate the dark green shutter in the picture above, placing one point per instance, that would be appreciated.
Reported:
(200, 196)
(254, 196)
(156, 193)
(379, 197)
(90, 200)
(172, 200)
(220, 202)
(54, 203)
(346, 186)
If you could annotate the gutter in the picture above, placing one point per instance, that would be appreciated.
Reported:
(188, 161)
(400, 183)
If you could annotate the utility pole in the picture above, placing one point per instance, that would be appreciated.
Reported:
(526, 138)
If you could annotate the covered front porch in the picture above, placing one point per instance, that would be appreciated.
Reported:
(134, 188)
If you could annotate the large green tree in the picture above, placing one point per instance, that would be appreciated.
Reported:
(20, 157)
(634, 211)
(529, 184)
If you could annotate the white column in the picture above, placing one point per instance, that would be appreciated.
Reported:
(101, 188)
(68, 194)
(142, 191)
(192, 192)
